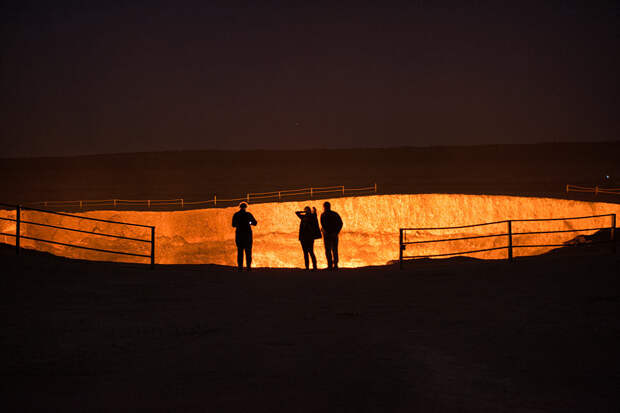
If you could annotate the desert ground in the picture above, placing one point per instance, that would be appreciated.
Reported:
(459, 335)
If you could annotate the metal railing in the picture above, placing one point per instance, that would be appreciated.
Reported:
(594, 190)
(509, 234)
(181, 203)
(19, 221)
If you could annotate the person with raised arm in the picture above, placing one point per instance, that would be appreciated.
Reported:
(308, 232)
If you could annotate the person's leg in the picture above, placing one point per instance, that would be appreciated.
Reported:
(335, 250)
(239, 243)
(304, 247)
(248, 251)
(311, 252)
(328, 252)
(248, 257)
(240, 257)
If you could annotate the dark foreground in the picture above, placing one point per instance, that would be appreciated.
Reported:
(537, 335)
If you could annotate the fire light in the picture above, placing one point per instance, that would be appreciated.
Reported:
(369, 236)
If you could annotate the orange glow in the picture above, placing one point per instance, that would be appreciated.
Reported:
(369, 237)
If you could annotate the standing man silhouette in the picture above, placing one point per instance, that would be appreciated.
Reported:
(331, 224)
(242, 221)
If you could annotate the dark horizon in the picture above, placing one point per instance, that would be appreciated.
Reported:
(135, 76)
(521, 170)
(344, 149)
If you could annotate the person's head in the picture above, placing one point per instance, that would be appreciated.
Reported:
(243, 206)
(307, 210)
(327, 206)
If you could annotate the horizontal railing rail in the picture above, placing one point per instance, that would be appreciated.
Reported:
(560, 219)
(18, 235)
(509, 234)
(457, 253)
(458, 227)
(22, 207)
(181, 203)
(456, 239)
(85, 248)
(594, 189)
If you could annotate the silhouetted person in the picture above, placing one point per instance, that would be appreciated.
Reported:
(331, 224)
(242, 222)
(308, 232)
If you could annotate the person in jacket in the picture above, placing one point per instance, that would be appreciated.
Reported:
(331, 224)
(308, 232)
(243, 221)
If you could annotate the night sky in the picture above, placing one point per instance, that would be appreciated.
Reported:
(84, 77)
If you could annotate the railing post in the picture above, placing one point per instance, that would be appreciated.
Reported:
(152, 248)
(214, 200)
(149, 203)
(375, 187)
(310, 192)
(278, 195)
(182, 204)
(17, 228)
(509, 241)
(342, 190)
(612, 233)
(400, 249)
(248, 198)
(115, 203)
(567, 188)
(596, 190)
(81, 204)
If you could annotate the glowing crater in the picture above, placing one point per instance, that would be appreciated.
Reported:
(369, 237)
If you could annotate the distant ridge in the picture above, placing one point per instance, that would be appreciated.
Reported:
(261, 150)
(521, 169)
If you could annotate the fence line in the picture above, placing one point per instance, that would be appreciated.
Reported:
(182, 203)
(18, 232)
(595, 190)
(403, 242)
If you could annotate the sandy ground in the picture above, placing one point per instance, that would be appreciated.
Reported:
(540, 334)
